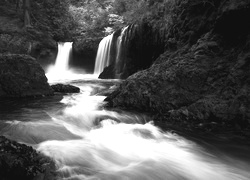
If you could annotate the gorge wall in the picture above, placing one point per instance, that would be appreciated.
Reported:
(202, 80)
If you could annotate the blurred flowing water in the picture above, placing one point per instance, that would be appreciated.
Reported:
(88, 142)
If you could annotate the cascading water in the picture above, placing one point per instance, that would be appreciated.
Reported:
(61, 71)
(113, 50)
(63, 56)
(103, 54)
(120, 51)
(87, 142)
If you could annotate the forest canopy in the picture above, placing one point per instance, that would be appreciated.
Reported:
(79, 17)
(108, 15)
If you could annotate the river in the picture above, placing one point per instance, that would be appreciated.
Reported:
(88, 142)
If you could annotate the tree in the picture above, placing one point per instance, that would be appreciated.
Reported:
(26, 12)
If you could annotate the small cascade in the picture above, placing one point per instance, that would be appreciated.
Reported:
(112, 50)
(60, 70)
(120, 50)
(127, 50)
(63, 56)
(103, 54)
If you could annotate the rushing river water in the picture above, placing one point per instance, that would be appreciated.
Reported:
(89, 142)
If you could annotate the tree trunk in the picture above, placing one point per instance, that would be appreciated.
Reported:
(26, 8)
(18, 4)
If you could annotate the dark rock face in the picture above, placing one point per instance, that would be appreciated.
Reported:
(44, 50)
(201, 84)
(22, 76)
(18, 161)
(84, 53)
(108, 72)
(65, 88)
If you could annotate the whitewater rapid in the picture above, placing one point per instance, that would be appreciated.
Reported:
(88, 142)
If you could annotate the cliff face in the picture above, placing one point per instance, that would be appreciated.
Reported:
(202, 79)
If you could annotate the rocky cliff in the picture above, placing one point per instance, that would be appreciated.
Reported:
(202, 79)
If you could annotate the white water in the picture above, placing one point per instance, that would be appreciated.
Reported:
(88, 142)
(110, 150)
(119, 55)
(60, 71)
(63, 56)
(103, 58)
(103, 54)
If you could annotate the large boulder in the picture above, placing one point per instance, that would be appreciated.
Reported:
(65, 88)
(18, 161)
(22, 76)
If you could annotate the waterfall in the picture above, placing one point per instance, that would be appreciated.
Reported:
(120, 50)
(103, 54)
(63, 56)
(60, 70)
(112, 50)
(132, 48)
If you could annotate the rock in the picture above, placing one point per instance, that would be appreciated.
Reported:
(205, 83)
(232, 24)
(209, 87)
(108, 73)
(22, 76)
(84, 52)
(18, 161)
(65, 88)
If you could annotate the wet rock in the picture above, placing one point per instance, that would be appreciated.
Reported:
(65, 88)
(108, 72)
(205, 83)
(18, 161)
(22, 76)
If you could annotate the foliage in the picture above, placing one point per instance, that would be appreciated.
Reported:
(51, 17)
(91, 15)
